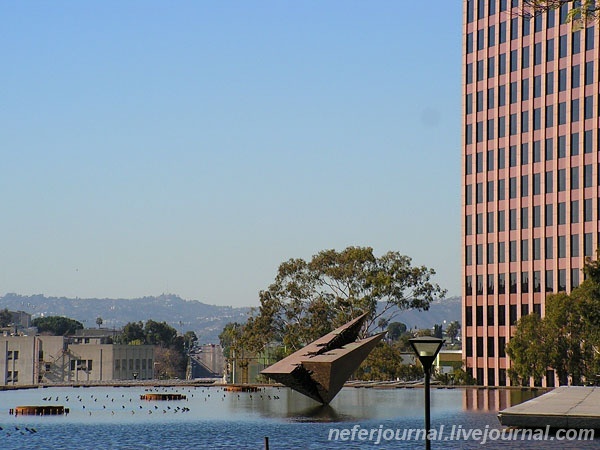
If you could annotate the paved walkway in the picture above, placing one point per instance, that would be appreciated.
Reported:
(564, 407)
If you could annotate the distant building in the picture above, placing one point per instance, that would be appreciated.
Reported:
(31, 360)
(207, 361)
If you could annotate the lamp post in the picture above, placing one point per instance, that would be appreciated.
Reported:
(427, 348)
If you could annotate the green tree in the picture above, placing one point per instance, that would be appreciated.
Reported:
(310, 298)
(395, 330)
(189, 339)
(231, 338)
(528, 350)
(5, 318)
(159, 333)
(99, 321)
(453, 330)
(133, 332)
(57, 325)
(438, 331)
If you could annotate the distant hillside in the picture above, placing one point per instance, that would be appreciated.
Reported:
(447, 309)
(206, 321)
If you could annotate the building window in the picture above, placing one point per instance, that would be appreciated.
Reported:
(502, 32)
(562, 80)
(524, 282)
(588, 107)
(562, 180)
(562, 46)
(490, 222)
(562, 247)
(549, 281)
(562, 280)
(574, 178)
(548, 215)
(588, 143)
(501, 252)
(537, 54)
(537, 251)
(468, 285)
(562, 146)
(589, 72)
(550, 83)
(574, 211)
(512, 251)
(575, 110)
(537, 219)
(576, 42)
(574, 278)
(550, 50)
(490, 98)
(548, 149)
(548, 247)
(589, 38)
(525, 250)
(587, 211)
(501, 287)
(562, 213)
(490, 286)
(512, 218)
(537, 184)
(587, 244)
(574, 245)
(548, 182)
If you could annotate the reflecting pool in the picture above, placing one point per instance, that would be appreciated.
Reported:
(209, 417)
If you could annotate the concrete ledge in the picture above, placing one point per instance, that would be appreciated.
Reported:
(564, 407)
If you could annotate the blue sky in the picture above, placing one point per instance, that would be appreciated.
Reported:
(190, 147)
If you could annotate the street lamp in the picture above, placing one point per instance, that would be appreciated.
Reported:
(427, 348)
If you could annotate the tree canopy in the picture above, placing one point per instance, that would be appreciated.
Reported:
(57, 325)
(567, 339)
(311, 298)
(5, 318)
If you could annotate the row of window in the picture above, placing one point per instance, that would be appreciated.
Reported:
(519, 250)
(502, 5)
(140, 364)
(516, 158)
(12, 376)
(486, 68)
(479, 38)
(490, 285)
(491, 98)
(524, 191)
(12, 354)
(487, 226)
(490, 314)
(487, 131)
(491, 347)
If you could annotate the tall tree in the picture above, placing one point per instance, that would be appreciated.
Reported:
(453, 330)
(528, 350)
(57, 325)
(5, 318)
(311, 298)
(395, 330)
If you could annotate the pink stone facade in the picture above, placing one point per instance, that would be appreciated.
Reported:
(530, 174)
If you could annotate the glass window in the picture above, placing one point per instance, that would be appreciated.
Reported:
(562, 180)
(562, 247)
(587, 244)
(587, 210)
(548, 149)
(537, 151)
(480, 70)
(562, 213)
(502, 32)
(469, 73)
(549, 281)
(537, 184)
(576, 42)
(512, 218)
(562, 146)
(514, 56)
(550, 83)
(512, 126)
(490, 160)
(491, 36)
(525, 58)
(575, 212)
(574, 178)
(589, 38)
(512, 251)
(550, 50)
(525, 250)
(490, 98)
(524, 185)
(501, 158)
(575, 110)
(525, 89)
(537, 86)
(587, 175)
(575, 144)
(549, 182)
(537, 54)
(562, 80)
(575, 76)
(549, 248)
(501, 189)
(491, 67)
(490, 191)
(562, 113)
(514, 28)
(549, 116)
(501, 252)
(501, 95)
(524, 121)
(548, 215)
(562, 280)
(589, 72)
(537, 216)
(524, 218)
(537, 118)
(562, 46)
(513, 92)
(469, 43)
(588, 107)
(490, 222)
(480, 39)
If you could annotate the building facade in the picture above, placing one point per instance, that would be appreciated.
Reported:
(32, 360)
(530, 170)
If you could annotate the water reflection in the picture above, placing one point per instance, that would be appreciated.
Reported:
(494, 400)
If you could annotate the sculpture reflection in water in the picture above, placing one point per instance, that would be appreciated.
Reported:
(320, 369)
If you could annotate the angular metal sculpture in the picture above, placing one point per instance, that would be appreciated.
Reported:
(320, 369)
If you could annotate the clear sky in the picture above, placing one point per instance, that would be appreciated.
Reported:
(190, 147)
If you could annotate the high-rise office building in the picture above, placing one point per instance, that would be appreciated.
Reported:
(530, 170)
